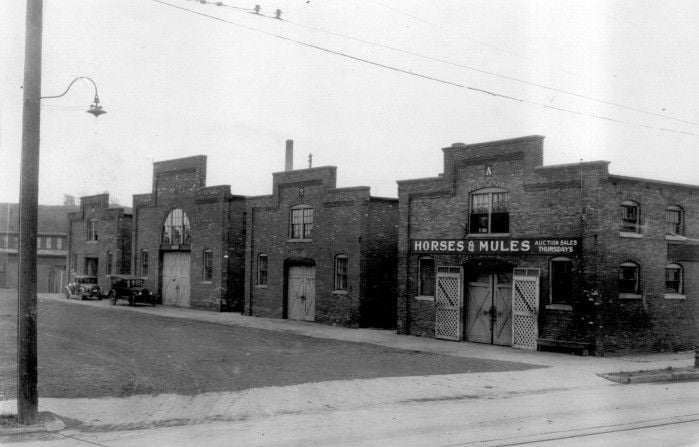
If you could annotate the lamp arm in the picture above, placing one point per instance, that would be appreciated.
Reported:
(97, 98)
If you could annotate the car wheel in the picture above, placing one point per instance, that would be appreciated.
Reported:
(112, 299)
(67, 295)
(131, 301)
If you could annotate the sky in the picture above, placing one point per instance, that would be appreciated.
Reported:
(376, 88)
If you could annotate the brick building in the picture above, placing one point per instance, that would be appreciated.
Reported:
(317, 252)
(99, 239)
(52, 243)
(188, 238)
(501, 249)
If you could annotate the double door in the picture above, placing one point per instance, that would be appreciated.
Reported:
(301, 293)
(489, 308)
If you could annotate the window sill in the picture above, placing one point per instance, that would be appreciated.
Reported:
(630, 296)
(207, 282)
(339, 292)
(566, 307)
(487, 235)
(424, 298)
(630, 235)
(674, 296)
(299, 240)
(260, 286)
(674, 237)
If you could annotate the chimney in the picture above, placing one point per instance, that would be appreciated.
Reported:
(289, 160)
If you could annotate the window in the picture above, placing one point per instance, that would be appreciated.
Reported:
(59, 243)
(38, 243)
(15, 242)
(74, 262)
(673, 279)
(208, 264)
(6, 241)
(490, 211)
(341, 272)
(92, 230)
(301, 222)
(674, 220)
(144, 262)
(109, 262)
(630, 217)
(629, 278)
(176, 228)
(426, 277)
(48, 243)
(561, 276)
(262, 262)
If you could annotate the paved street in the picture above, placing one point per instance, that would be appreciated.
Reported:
(389, 390)
(103, 351)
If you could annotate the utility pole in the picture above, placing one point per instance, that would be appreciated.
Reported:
(27, 367)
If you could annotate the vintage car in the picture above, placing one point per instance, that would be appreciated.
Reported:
(130, 288)
(83, 286)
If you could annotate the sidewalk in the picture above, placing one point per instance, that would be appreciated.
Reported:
(558, 372)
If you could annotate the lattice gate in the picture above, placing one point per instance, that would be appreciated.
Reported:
(449, 303)
(525, 308)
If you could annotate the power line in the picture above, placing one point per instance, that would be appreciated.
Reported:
(479, 70)
(422, 76)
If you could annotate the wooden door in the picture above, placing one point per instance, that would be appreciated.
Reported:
(176, 273)
(301, 293)
(478, 326)
(502, 300)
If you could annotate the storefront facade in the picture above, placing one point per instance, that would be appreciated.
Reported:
(500, 249)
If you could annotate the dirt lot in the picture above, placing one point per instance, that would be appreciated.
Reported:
(99, 351)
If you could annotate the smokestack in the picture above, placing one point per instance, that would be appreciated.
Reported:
(289, 160)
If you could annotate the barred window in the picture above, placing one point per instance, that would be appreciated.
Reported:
(490, 211)
(262, 266)
(208, 266)
(144, 262)
(674, 220)
(341, 272)
(426, 277)
(301, 222)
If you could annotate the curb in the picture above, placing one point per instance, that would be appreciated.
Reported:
(48, 422)
(653, 376)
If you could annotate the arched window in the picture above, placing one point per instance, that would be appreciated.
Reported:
(176, 228)
(426, 277)
(490, 211)
(629, 278)
(674, 280)
(561, 280)
(300, 222)
(340, 272)
(630, 217)
(674, 220)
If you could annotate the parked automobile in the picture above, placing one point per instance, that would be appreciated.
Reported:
(130, 288)
(83, 286)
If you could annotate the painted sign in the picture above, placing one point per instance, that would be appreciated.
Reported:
(499, 246)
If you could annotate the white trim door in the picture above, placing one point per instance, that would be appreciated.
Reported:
(525, 308)
(448, 304)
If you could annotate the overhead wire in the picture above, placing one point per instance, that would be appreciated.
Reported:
(423, 76)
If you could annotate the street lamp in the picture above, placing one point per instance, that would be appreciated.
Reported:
(95, 108)
(27, 365)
